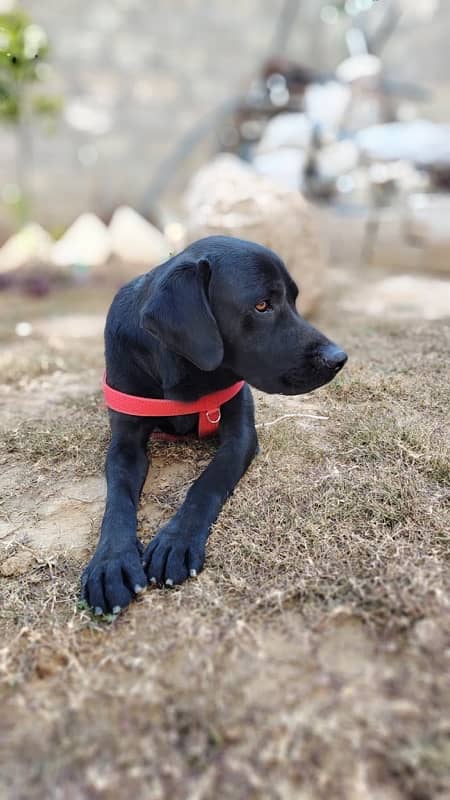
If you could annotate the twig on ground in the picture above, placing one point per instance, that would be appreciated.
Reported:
(288, 416)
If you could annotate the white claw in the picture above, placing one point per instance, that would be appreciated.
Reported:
(98, 611)
(193, 573)
(153, 580)
(169, 582)
(138, 589)
(117, 609)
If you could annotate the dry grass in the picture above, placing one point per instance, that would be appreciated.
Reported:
(81, 439)
(308, 661)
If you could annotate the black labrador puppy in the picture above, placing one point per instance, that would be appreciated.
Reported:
(221, 311)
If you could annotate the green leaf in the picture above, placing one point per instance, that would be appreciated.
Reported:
(49, 105)
(9, 108)
(22, 45)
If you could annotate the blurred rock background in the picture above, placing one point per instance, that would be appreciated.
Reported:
(344, 101)
(137, 75)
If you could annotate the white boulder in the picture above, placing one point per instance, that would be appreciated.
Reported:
(286, 130)
(363, 67)
(284, 166)
(135, 240)
(326, 104)
(87, 242)
(336, 159)
(30, 245)
(421, 142)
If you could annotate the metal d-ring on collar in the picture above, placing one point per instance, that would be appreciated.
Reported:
(218, 416)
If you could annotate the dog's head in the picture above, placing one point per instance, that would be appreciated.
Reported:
(225, 302)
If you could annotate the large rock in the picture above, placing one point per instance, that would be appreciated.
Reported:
(227, 197)
(31, 245)
(86, 243)
(135, 240)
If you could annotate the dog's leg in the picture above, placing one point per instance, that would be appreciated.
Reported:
(178, 549)
(115, 572)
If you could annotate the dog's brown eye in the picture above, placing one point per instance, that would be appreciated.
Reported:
(261, 307)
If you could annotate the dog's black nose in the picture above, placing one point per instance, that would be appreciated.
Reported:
(333, 357)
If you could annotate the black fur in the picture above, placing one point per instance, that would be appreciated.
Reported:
(186, 329)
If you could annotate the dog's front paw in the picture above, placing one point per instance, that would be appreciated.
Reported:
(174, 555)
(112, 578)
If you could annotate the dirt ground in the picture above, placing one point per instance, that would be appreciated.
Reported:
(311, 657)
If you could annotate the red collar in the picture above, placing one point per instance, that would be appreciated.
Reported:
(207, 407)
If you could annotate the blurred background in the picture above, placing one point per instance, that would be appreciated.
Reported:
(128, 128)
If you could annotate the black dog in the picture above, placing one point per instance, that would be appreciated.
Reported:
(221, 311)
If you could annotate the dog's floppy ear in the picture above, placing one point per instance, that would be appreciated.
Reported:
(179, 315)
